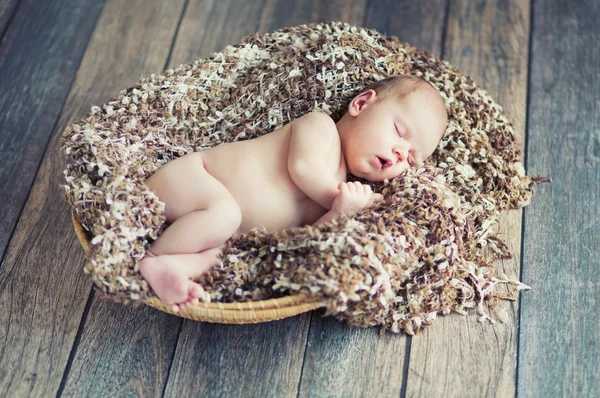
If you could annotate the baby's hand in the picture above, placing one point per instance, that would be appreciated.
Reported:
(354, 197)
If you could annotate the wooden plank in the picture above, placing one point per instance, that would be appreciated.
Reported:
(559, 350)
(458, 356)
(8, 8)
(40, 55)
(122, 350)
(211, 25)
(234, 360)
(374, 365)
(281, 13)
(419, 23)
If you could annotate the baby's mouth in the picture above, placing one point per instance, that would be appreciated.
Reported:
(382, 163)
(379, 162)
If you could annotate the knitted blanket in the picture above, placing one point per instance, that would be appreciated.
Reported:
(418, 253)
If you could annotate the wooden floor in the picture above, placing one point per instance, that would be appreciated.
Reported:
(541, 61)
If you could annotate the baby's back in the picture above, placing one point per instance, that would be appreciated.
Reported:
(256, 173)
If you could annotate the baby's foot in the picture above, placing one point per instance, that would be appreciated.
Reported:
(169, 282)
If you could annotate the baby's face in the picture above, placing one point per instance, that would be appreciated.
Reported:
(384, 138)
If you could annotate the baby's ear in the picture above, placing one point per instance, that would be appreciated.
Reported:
(361, 101)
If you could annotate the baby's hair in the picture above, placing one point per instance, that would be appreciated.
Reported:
(397, 86)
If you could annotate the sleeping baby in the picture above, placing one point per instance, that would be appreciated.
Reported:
(294, 176)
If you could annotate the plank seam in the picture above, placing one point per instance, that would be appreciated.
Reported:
(10, 22)
(525, 144)
(445, 29)
(405, 366)
(185, 6)
(168, 375)
(51, 135)
(305, 351)
(73, 352)
(8, 25)
(366, 12)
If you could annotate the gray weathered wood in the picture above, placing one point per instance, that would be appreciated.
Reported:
(260, 360)
(211, 25)
(345, 361)
(559, 350)
(458, 356)
(281, 13)
(418, 23)
(122, 350)
(41, 299)
(7, 10)
(40, 53)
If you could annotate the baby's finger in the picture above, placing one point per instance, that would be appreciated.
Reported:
(377, 197)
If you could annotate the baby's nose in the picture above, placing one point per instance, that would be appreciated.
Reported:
(401, 152)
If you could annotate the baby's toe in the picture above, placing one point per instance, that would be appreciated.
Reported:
(188, 304)
(195, 291)
(205, 296)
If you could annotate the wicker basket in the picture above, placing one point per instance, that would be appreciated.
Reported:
(233, 313)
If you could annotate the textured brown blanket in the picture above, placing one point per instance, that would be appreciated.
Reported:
(416, 254)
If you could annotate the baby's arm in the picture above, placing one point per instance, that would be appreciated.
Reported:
(330, 215)
(312, 139)
(353, 197)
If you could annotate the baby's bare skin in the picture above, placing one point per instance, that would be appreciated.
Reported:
(294, 176)
(249, 176)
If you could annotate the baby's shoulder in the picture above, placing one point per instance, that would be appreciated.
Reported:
(316, 118)
(314, 125)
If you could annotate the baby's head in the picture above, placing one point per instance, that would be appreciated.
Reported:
(394, 124)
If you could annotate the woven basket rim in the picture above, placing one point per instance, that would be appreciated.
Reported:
(246, 312)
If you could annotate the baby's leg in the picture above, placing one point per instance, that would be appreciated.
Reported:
(202, 212)
(204, 215)
(199, 230)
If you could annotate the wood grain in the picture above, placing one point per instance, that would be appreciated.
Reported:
(458, 356)
(559, 350)
(8, 8)
(211, 25)
(281, 13)
(41, 299)
(418, 23)
(345, 361)
(123, 350)
(40, 53)
(43, 288)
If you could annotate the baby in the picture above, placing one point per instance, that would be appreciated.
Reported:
(291, 177)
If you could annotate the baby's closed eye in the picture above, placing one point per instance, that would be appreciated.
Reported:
(400, 129)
